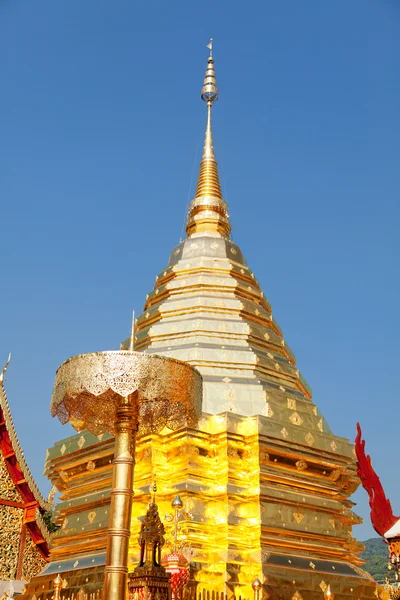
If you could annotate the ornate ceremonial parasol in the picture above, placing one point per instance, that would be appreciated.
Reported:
(125, 392)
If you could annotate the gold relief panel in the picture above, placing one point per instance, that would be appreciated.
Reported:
(296, 419)
(298, 517)
(8, 490)
(264, 456)
(301, 465)
(309, 438)
(335, 474)
(33, 562)
(10, 532)
(291, 403)
(91, 516)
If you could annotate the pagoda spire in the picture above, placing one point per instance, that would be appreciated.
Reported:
(208, 212)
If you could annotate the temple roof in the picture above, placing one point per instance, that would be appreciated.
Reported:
(26, 489)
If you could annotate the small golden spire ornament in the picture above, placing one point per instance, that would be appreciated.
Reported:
(150, 580)
(257, 587)
(328, 594)
(208, 212)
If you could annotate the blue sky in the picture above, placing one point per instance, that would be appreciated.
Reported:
(101, 130)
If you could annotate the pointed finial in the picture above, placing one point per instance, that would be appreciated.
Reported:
(132, 338)
(208, 212)
(177, 503)
(2, 374)
(210, 46)
(209, 91)
(328, 594)
(257, 587)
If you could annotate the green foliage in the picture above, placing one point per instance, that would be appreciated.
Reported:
(376, 557)
(48, 519)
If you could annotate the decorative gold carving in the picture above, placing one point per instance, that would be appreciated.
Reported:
(81, 441)
(64, 475)
(297, 596)
(33, 562)
(229, 394)
(284, 432)
(113, 375)
(309, 439)
(301, 465)
(335, 474)
(361, 572)
(296, 419)
(333, 445)
(8, 491)
(320, 425)
(10, 532)
(90, 465)
(298, 517)
(232, 452)
(91, 516)
(291, 404)
(323, 586)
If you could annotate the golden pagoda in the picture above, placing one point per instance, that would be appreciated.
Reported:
(266, 482)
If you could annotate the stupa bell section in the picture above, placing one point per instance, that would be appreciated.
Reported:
(208, 309)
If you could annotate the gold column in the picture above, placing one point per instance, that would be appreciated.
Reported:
(116, 570)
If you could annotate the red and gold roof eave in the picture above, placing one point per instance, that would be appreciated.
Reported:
(32, 501)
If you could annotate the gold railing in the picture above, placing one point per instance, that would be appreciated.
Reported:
(58, 585)
(196, 594)
(188, 593)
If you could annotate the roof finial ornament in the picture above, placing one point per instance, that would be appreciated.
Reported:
(2, 374)
(208, 211)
